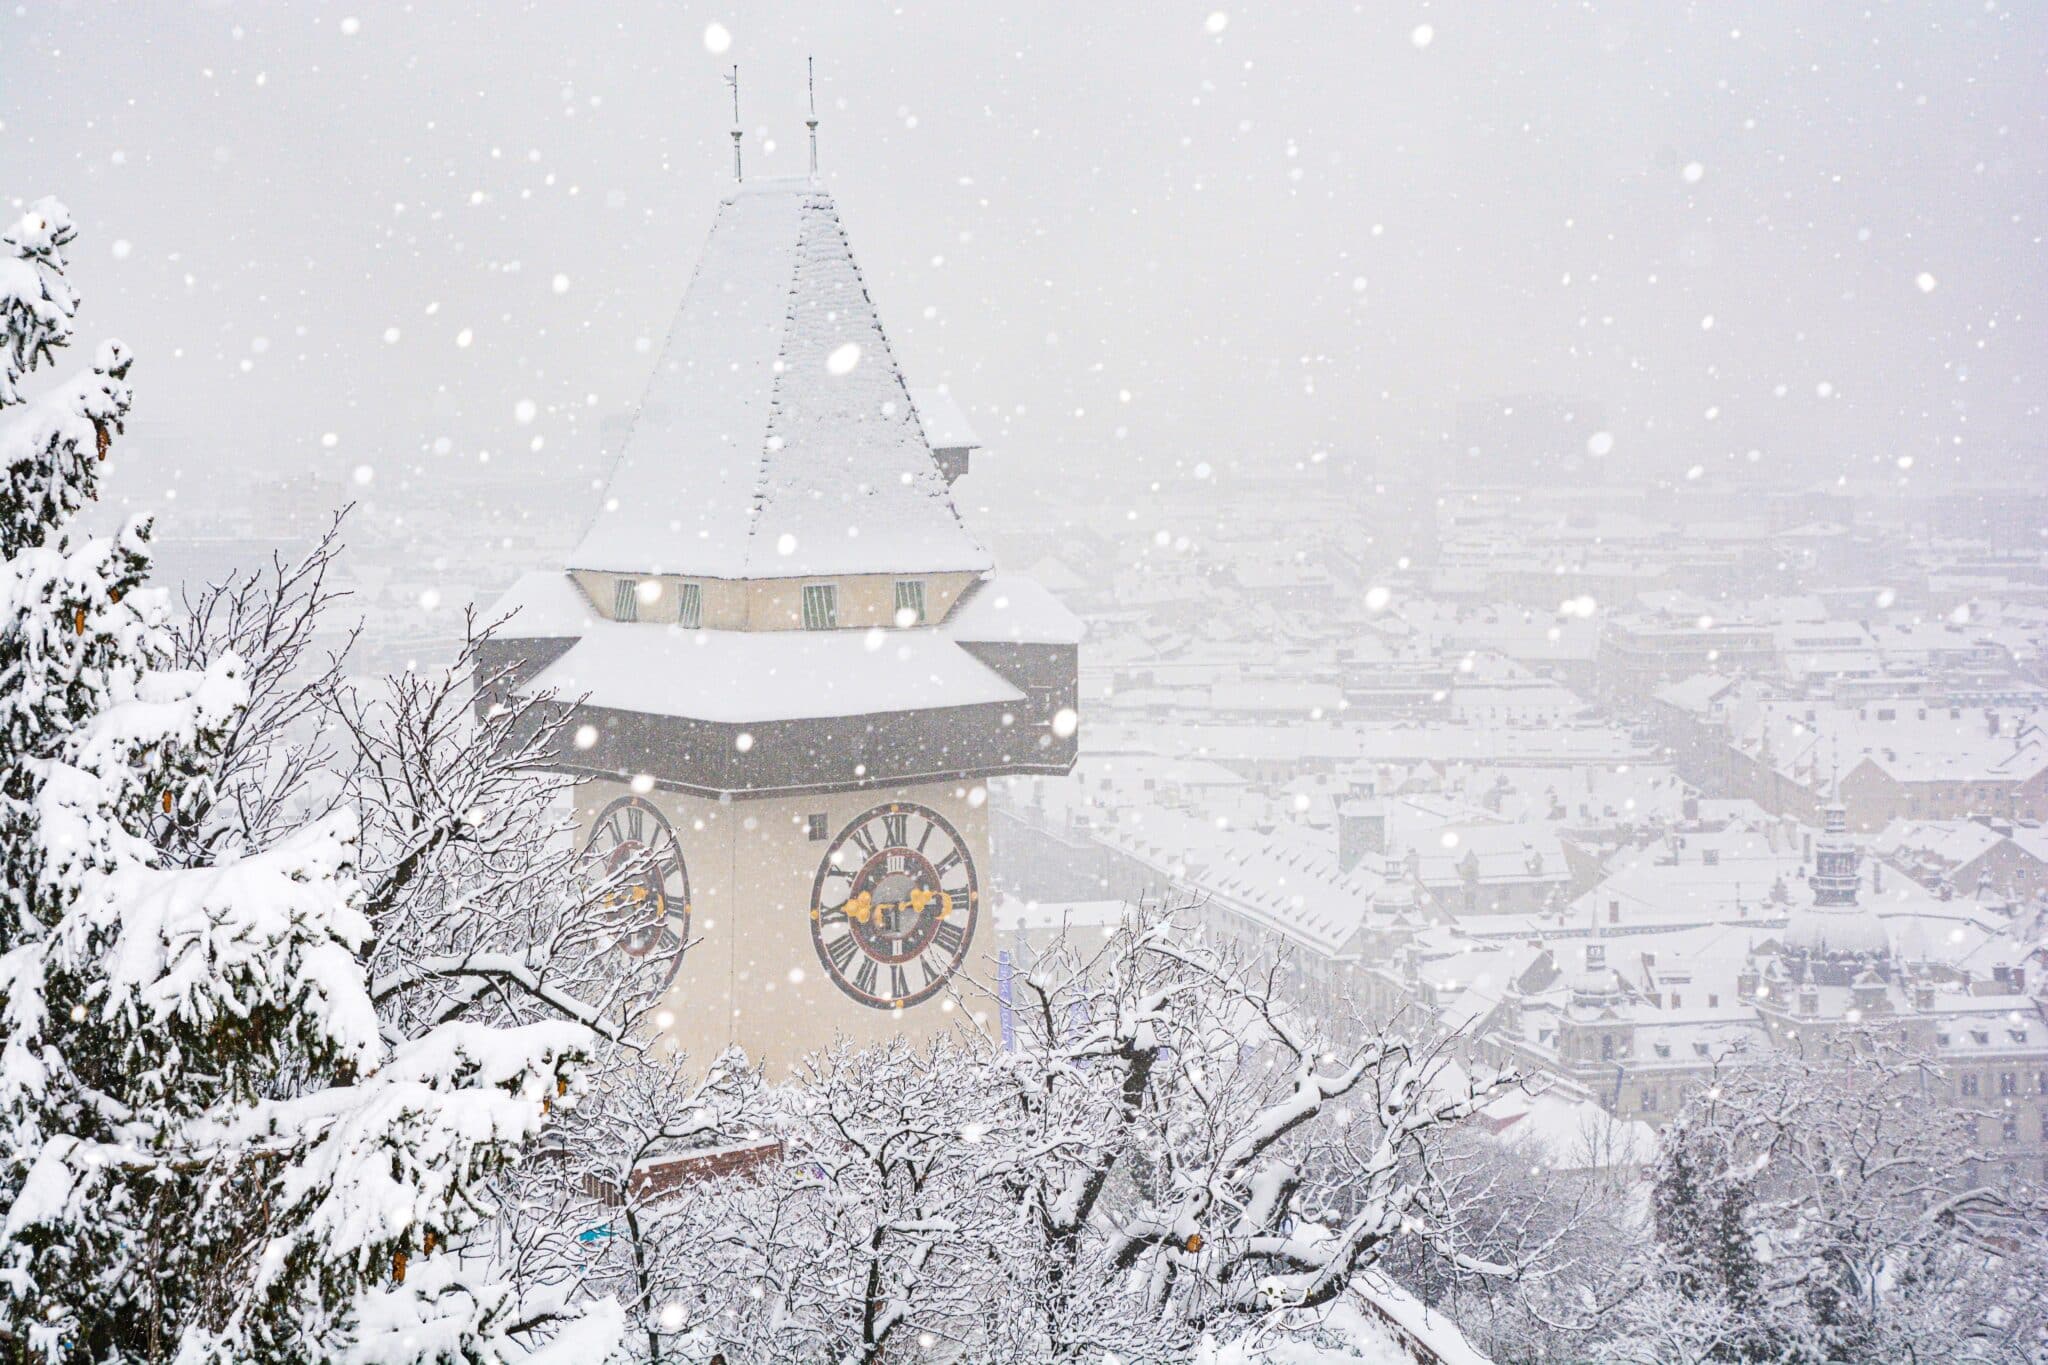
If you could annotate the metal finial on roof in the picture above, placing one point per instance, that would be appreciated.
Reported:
(811, 80)
(733, 80)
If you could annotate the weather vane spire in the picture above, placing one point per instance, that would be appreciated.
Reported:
(811, 81)
(733, 80)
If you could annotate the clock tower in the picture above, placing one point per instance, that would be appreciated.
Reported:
(788, 669)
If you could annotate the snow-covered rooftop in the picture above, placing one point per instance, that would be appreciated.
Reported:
(776, 438)
(544, 604)
(1006, 608)
(738, 677)
(945, 425)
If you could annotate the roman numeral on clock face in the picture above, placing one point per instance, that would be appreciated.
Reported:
(841, 950)
(864, 978)
(896, 829)
(949, 938)
(863, 841)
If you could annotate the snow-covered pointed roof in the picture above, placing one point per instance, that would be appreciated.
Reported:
(776, 438)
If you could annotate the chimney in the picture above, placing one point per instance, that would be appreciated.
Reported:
(1923, 996)
(1746, 982)
(1990, 721)
(1809, 1000)
(1361, 829)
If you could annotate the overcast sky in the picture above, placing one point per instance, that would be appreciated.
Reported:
(1276, 228)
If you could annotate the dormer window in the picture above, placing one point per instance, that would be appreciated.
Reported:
(910, 598)
(625, 600)
(821, 606)
(690, 606)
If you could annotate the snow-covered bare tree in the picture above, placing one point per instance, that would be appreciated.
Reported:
(1826, 1208)
(1566, 1210)
(1193, 1153)
(211, 1144)
(592, 1215)
(887, 1152)
(276, 761)
(865, 1219)
(483, 905)
(1167, 1152)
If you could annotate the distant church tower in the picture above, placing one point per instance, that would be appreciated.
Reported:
(1837, 863)
(797, 668)
(1833, 940)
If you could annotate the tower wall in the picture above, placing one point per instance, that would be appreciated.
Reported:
(754, 976)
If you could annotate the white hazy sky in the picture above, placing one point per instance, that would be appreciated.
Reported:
(1278, 227)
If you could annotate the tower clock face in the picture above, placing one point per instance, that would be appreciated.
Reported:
(634, 856)
(894, 906)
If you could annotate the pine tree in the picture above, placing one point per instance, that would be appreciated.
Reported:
(51, 450)
(210, 1147)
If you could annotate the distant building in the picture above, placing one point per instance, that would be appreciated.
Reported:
(1640, 654)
